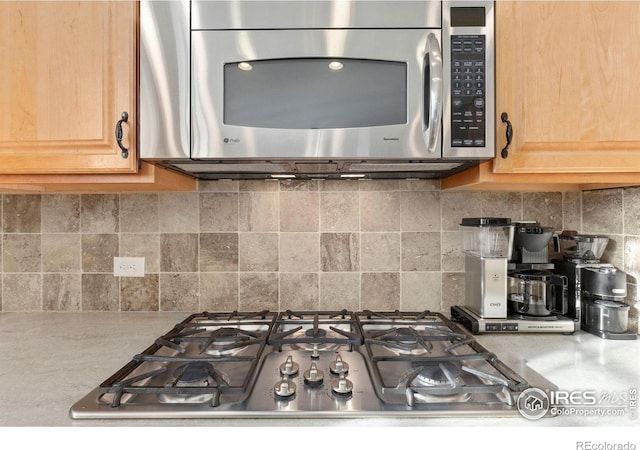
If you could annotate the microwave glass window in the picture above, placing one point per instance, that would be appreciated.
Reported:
(315, 93)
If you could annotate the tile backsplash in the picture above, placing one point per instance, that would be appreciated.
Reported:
(384, 244)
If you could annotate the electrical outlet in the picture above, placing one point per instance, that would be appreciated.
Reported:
(128, 267)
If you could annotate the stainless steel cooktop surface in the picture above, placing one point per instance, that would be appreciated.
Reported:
(308, 364)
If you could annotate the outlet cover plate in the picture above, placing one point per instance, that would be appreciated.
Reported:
(128, 267)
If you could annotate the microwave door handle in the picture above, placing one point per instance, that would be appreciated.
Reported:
(433, 97)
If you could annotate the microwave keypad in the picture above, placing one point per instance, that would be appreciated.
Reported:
(468, 94)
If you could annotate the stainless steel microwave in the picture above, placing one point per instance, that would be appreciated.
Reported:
(327, 89)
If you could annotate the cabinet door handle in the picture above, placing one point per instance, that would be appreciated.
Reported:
(125, 118)
(505, 119)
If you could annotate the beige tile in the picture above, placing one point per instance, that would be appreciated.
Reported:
(379, 185)
(178, 212)
(219, 291)
(452, 290)
(179, 252)
(258, 252)
(421, 251)
(420, 185)
(139, 293)
(545, 207)
(138, 213)
(217, 186)
(339, 185)
(21, 213)
(339, 252)
(380, 211)
(452, 251)
(218, 252)
(420, 211)
(421, 291)
(142, 245)
(632, 211)
(258, 211)
(299, 185)
(258, 291)
(299, 252)
(61, 213)
(572, 211)
(502, 204)
(61, 292)
(380, 252)
(218, 211)
(259, 185)
(602, 211)
(632, 256)
(98, 251)
(299, 291)
(299, 211)
(100, 292)
(179, 292)
(100, 213)
(458, 205)
(339, 291)
(21, 292)
(61, 253)
(380, 291)
(339, 211)
(21, 253)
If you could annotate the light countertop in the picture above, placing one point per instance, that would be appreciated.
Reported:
(50, 360)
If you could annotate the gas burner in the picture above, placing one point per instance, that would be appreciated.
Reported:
(315, 331)
(191, 376)
(226, 341)
(443, 374)
(439, 383)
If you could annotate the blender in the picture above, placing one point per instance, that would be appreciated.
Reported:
(596, 290)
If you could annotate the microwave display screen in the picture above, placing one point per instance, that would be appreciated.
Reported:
(468, 17)
(315, 93)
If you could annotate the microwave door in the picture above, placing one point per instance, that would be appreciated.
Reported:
(313, 94)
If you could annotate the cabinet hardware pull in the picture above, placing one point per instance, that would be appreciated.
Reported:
(505, 119)
(125, 118)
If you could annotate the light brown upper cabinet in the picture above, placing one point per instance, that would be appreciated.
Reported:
(68, 74)
(568, 77)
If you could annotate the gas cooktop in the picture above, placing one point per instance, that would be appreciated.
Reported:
(308, 364)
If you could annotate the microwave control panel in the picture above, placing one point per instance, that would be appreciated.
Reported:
(468, 93)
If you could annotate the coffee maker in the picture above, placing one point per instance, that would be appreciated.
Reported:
(532, 298)
(596, 290)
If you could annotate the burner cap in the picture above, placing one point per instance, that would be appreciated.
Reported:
(193, 372)
(434, 375)
(315, 333)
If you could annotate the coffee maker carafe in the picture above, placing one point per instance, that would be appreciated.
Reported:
(596, 290)
(534, 290)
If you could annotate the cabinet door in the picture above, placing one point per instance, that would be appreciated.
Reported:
(568, 78)
(68, 73)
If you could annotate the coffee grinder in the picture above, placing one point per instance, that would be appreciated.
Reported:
(596, 290)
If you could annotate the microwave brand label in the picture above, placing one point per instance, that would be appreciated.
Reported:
(390, 139)
(231, 141)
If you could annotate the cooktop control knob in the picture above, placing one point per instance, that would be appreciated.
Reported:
(338, 366)
(289, 367)
(315, 354)
(284, 388)
(313, 376)
(342, 386)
